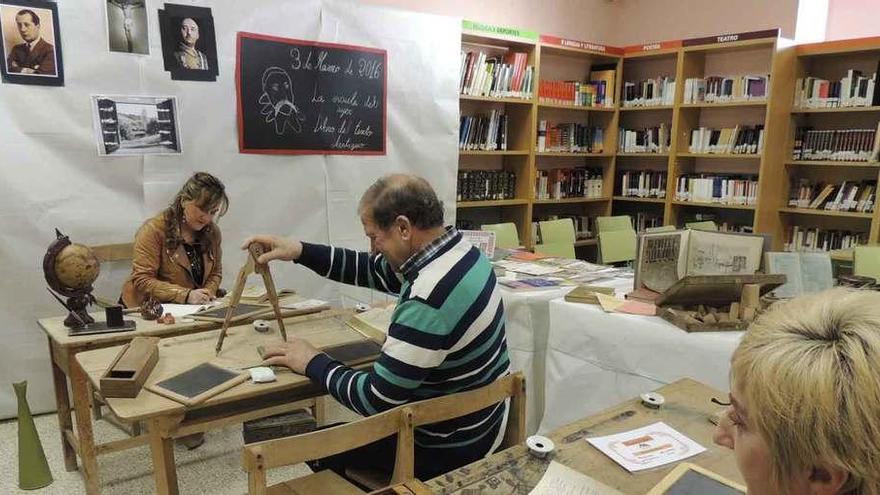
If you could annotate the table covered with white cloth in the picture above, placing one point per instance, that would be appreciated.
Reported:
(595, 359)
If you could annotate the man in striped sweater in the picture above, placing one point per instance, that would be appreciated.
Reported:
(446, 335)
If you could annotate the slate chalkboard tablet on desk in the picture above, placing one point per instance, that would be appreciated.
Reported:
(198, 384)
(307, 97)
(690, 479)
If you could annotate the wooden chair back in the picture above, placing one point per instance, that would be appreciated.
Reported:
(259, 457)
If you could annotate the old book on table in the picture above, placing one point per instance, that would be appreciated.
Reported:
(805, 273)
(586, 294)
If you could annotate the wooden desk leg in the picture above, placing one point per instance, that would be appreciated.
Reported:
(320, 410)
(162, 448)
(62, 403)
(82, 411)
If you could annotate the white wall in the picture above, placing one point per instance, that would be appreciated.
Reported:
(51, 176)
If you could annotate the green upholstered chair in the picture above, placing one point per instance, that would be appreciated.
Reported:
(506, 235)
(866, 261)
(665, 228)
(706, 225)
(557, 238)
(620, 222)
(617, 246)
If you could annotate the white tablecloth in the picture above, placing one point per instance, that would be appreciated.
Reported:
(596, 359)
(528, 325)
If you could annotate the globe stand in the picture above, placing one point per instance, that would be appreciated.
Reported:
(78, 316)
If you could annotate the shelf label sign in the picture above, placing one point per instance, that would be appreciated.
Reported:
(512, 32)
(732, 37)
(580, 45)
(652, 47)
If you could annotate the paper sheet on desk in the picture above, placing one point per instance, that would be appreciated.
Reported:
(562, 480)
(647, 447)
(307, 304)
(181, 310)
(613, 305)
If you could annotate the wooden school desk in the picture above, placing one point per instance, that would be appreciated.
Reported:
(514, 470)
(62, 349)
(167, 419)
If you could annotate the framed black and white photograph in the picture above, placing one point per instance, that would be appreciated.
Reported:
(127, 30)
(31, 43)
(136, 125)
(189, 45)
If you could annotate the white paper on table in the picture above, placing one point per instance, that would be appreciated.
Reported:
(307, 304)
(528, 268)
(181, 310)
(647, 447)
(562, 480)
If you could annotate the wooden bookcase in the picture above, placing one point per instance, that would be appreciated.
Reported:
(829, 60)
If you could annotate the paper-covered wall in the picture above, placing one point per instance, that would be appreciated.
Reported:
(51, 175)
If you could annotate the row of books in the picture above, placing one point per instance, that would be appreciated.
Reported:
(659, 91)
(485, 185)
(800, 238)
(507, 77)
(723, 189)
(648, 140)
(722, 224)
(853, 90)
(858, 145)
(584, 226)
(561, 183)
(845, 196)
(642, 183)
(742, 139)
(483, 132)
(642, 221)
(570, 137)
(575, 93)
(726, 89)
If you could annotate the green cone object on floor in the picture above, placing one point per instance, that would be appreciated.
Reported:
(33, 470)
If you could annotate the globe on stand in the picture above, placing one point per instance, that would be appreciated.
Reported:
(70, 269)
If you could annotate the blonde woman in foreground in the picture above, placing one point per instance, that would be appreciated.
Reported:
(805, 397)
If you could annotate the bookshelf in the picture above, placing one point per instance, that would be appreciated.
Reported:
(828, 61)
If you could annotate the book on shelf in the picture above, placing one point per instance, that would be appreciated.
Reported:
(603, 77)
(854, 145)
(483, 132)
(570, 137)
(741, 139)
(561, 183)
(855, 89)
(659, 91)
(485, 185)
(722, 189)
(509, 76)
(805, 273)
(726, 89)
(647, 140)
(857, 196)
(643, 220)
(642, 183)
(574, 93)
(800, 238)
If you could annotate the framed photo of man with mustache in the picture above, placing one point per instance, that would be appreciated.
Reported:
(31, 40)
(189, 45)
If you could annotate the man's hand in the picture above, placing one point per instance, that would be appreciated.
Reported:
(295, 354)
(277, 248)
(198, 296)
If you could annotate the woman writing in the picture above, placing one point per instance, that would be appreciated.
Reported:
(177, 256)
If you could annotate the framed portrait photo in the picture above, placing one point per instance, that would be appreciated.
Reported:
(127, 27)
(136, 125)
(189, 45)
(31, 37)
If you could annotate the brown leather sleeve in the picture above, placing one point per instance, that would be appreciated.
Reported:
(148, 247)
(213, 279)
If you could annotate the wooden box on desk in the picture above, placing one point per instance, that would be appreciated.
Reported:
(127, 373)
(713, 303)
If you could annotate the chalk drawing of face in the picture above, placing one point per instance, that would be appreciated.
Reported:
(277, 101)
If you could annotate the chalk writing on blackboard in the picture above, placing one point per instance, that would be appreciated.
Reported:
(298, 97)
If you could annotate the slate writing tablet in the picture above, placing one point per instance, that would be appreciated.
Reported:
(690, 479)
(198, 384)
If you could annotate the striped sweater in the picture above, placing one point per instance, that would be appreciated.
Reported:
(446, 335)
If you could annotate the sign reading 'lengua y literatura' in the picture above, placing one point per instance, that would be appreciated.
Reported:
(308, 97)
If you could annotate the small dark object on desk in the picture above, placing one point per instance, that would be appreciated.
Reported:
(151, 309)
(279, 426)
(114, 316)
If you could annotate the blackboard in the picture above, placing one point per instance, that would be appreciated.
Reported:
(308, 97)
(696, 483)
(198, 384)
